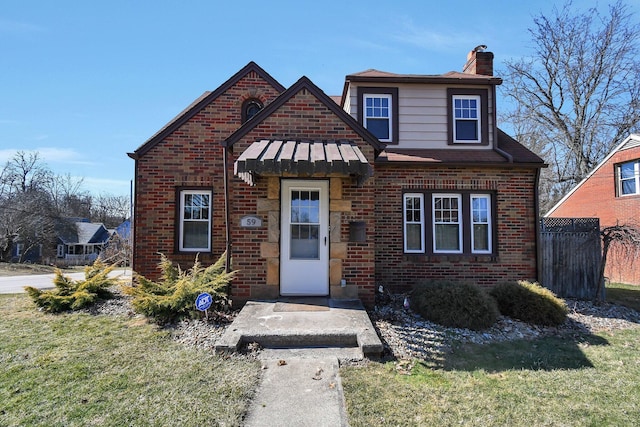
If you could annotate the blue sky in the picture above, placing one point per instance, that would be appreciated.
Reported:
(85, 82)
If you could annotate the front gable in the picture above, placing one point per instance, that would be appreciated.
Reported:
(303, 132)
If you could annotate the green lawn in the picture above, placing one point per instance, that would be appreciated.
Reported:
(572, 381)
(80, 370)
(627, 295)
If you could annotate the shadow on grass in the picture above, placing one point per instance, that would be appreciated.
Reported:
(545, 354)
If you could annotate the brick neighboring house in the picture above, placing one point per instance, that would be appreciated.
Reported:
(611, 192)
(408, 178)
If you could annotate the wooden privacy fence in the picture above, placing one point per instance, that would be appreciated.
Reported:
(570, 256)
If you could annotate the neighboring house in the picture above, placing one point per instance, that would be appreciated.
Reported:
(611, 192)
(21, 253)
(407, 179)
(83, 242)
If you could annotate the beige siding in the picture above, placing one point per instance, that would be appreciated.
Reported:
(423, 115)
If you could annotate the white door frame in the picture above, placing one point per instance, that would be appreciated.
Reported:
(304, 274)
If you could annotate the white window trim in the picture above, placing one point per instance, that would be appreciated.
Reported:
(389, 117)
(636, 178)
(19, 249)
(457, 196)
(181, 247)
(489, 224)
(60, 251)
(478, 120)
(420, 196)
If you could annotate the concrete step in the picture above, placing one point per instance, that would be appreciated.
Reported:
(274, 324)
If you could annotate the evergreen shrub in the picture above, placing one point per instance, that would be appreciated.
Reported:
(174, 295)
(455, 304)
(530, 303)
(70, 294)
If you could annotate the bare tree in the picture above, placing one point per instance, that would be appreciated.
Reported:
(110, 210)
(578, 95)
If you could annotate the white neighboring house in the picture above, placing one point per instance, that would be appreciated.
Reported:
(84, 244)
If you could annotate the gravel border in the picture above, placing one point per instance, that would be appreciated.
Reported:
(404, 334)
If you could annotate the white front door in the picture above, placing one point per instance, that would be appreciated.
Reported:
(304, 254)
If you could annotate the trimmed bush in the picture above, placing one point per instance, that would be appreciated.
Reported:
(70, 294)
(455, 304)
(530, 303)
(174, 296)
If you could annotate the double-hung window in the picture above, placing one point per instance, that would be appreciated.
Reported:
(447, 223)
(458, 223)
(480, 223)
(377, 115)
(629, 178)
(195, 221)
(378, 112)
(414, 222)
(466, 118)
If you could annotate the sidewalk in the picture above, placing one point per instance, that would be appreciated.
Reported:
(298, 388)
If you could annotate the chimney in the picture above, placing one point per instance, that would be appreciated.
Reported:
(479, 62)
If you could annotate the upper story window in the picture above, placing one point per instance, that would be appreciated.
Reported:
(468, 116)
(378, 112)
(629, 178)
(195, 221)
(377, 115)
(250, 108)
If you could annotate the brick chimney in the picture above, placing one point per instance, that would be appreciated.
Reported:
(479, 62)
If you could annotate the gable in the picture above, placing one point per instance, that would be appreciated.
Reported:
(251, 71)
(632, 142)
(303, 112)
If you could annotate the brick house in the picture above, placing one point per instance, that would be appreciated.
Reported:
(407, 178)
(610, 192)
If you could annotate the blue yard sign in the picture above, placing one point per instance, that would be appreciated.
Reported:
(203, 301)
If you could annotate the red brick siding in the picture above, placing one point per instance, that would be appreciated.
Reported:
(191, 156)
(515, 222)
(302, 117)
(596, 198)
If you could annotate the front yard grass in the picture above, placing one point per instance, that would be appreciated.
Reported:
(77, 369)
(626, 295)
(578, 381)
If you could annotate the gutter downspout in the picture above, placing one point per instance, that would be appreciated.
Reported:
(227, 266)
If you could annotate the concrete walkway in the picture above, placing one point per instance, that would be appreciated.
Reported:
(302, 341)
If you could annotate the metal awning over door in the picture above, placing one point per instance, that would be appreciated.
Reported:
(301, 158)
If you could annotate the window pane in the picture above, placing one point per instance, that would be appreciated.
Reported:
(481, 237)
(379, 127)
(466, 130)
(195, 235)
(414, 237)
(627, 170)
(305, 243)
(629, 186)
(447, 237)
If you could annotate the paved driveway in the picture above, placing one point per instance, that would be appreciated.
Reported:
(16, 284)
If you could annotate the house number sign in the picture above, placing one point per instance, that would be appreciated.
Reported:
(250, 221)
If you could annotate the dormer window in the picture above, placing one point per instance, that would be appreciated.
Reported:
(377, 115)
(250, 108)
(378, 112)
(468, 116)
